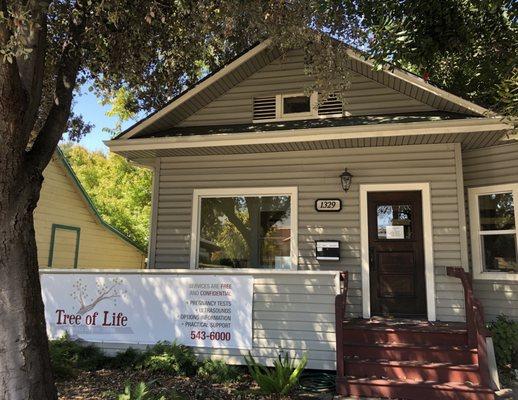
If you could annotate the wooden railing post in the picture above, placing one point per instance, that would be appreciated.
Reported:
(340, 302)
(475, 324)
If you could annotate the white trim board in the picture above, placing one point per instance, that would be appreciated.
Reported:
(474, 224)
(424, 188)
(291, 191)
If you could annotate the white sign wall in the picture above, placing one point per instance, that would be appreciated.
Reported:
(195, 310)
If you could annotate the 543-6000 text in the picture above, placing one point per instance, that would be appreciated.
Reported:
(217, 336)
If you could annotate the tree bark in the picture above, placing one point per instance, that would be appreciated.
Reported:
(25, 370)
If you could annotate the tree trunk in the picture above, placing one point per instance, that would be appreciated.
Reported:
(25, 371)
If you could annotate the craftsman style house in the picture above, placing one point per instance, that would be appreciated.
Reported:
(409, 191)
(70, 233)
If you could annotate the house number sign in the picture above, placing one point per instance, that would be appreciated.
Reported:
(328, 205)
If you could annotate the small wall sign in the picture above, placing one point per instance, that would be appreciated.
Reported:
(328, 205)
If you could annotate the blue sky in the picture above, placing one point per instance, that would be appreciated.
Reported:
(88, 105)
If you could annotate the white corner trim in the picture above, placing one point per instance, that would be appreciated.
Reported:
(155, 194)
(291, 191)
(459, 171)
(474, 223)
(424, 188)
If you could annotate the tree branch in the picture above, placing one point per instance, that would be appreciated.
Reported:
(55, 123)
(12, 97)
(32, 66)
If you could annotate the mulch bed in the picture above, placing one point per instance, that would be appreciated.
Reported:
(107, 384)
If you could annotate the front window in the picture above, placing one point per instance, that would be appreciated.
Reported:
(494, 236)
(245, 231)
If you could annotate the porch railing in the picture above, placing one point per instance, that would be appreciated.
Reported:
(340, 303)
(475, 324)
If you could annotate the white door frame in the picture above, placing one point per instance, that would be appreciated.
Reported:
(424, 188)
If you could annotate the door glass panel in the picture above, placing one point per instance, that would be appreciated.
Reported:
(496, 212)
(499, 253)
(394, 221)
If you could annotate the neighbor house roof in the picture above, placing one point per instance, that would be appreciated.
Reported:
(260, 55)
(91, 206)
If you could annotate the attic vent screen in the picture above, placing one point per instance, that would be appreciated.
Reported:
(331, 106)
(264, 108)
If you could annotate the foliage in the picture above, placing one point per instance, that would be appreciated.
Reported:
(467, 47)
(218, 371)
(121, 191)
(505, 339)
(68, 356)
(128, 358)
(140, 392)
(282, 378)
(170, 357)
(507, 94)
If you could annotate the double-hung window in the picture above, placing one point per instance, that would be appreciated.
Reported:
(244, 228)
(493, 218)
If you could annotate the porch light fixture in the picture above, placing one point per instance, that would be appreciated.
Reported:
(346, 179)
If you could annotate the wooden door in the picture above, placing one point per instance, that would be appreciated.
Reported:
(396, 254)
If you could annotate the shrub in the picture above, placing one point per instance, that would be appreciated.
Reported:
(505, 340)
(218, 371)
(68, 356)
(129, 358)
(282, 378)
(170, 357)
(140, 392)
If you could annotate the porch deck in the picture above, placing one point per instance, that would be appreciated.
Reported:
(413, 359)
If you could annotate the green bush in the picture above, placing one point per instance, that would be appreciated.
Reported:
(505, 339)
(67, 357)
(218, 371)
(128, 358)
(140, 392)
(282, 378)
(170, 357)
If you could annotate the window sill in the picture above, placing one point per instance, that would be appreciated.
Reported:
(495, 276)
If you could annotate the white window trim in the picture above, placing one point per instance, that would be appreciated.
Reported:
(474, 222)
(198, 194)
(424, 188)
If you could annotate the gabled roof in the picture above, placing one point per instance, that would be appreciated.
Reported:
(251, 61)
(91, 206)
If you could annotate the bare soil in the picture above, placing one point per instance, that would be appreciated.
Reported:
(107, 384)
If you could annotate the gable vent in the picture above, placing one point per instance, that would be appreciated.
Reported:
(331, 106)
(264, 108)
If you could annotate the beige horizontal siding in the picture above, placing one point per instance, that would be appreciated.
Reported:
(61, 203)
(286, 75)
(485, 167)
(315, 173)
(293, 313)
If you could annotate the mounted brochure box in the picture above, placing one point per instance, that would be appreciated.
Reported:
(328, 250)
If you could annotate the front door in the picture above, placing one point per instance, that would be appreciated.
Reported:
(396, 254)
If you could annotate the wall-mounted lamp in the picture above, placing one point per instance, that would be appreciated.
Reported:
(346, 179)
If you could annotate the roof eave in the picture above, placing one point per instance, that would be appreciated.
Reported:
(311, 134)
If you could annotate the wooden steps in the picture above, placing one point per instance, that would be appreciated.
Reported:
(410, 360)
(408, 389)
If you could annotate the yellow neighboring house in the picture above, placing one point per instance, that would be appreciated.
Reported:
(70, 233)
